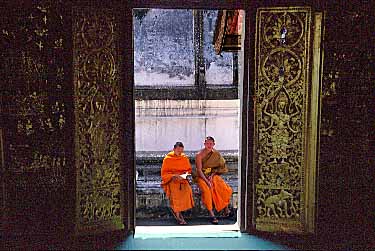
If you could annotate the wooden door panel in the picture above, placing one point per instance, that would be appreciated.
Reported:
(97, 97)
(36, 142)
(283, 192)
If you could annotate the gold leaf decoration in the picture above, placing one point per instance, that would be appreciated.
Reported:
(281, 92)
(97, 104)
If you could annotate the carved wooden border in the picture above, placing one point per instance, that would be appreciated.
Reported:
(97, 98)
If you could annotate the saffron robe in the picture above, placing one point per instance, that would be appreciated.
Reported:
(220, 192)
(178, 192)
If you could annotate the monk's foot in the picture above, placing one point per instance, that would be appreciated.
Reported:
(178, 217)
(182, 221)
(173, 213)
(228, 213)
(214, 220)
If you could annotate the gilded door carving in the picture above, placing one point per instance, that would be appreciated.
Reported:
(97, 128)
(281, 119)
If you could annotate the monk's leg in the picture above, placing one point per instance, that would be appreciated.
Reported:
(180, 218)
(181, 199)
(186, 199)
(207, 199)
(221, 193)
(205, 194)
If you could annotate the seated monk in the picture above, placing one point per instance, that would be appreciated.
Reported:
(176, 166)
(215, 192)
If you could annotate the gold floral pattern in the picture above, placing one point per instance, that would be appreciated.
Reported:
(97, 104)
(281, 95)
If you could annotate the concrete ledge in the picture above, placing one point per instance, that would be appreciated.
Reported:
(156, 157)
(224, 231)
(187, 108)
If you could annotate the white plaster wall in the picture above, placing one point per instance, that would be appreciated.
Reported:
(160, 123)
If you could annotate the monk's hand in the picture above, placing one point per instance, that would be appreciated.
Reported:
(209, 182)
(210, 178)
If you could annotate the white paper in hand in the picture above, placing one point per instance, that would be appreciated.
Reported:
(184, 175)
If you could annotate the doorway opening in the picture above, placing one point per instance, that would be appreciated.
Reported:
(188, 85)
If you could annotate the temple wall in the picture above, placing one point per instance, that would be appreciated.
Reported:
(160, 123)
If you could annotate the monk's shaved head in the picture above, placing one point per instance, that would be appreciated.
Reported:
(209, 138)
(178, 144)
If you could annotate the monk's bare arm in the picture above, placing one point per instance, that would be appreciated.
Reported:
(198, 164)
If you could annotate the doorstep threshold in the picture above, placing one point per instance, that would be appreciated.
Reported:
(186, 231)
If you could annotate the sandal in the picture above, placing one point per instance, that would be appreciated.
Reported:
(179, 221)
(182, 222)
(214, 220)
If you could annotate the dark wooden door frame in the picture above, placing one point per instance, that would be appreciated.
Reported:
(247, 121)
(128, 102)
(128, 116)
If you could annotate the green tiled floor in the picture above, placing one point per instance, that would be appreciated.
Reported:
(243, 242)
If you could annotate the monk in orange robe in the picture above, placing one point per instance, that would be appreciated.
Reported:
(215, 192)
(176, 166)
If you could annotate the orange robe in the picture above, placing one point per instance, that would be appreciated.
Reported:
(220, 193)
(178, 192)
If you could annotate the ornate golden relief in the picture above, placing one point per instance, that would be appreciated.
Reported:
(97, 104)
(281, 92)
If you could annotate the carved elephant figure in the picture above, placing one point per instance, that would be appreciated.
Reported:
(277, 204)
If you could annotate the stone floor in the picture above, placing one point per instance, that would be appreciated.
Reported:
(242, 242)
(119, 240)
